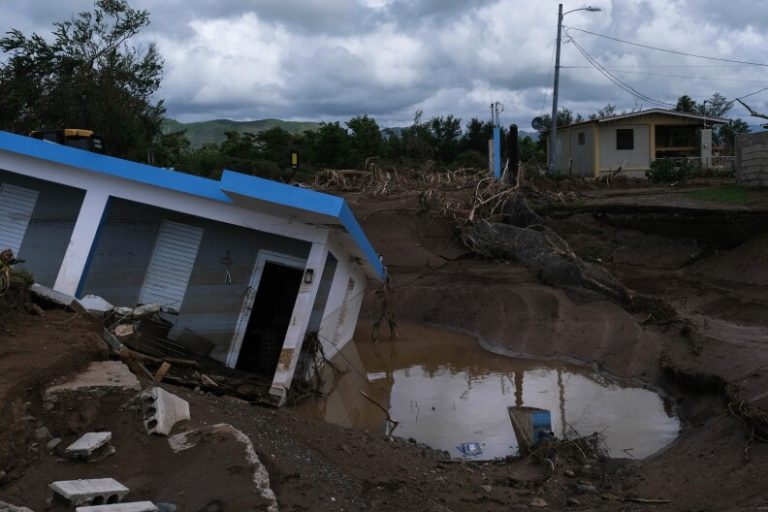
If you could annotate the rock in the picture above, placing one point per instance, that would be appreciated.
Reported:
(7, 507)
(573, 502)
(569, 473)
(486, 488)
(53, 443)
(146, 310)
(346, 449)
(95, 304)
(538, 503)
(586, 489)
(42, 434)
(586, 469)
(50, 296)
(123, 311)
(165, 507)
(2, 475)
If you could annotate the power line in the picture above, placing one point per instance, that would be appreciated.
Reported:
(691, 77)
(549, 75)
(626, 87)
(676, 52)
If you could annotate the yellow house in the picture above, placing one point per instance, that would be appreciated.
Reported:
(629, 141)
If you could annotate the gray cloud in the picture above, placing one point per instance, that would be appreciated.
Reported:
(332, 59)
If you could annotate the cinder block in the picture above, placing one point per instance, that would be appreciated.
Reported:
(162, 410)
(133, 506)
(88, 444)
(97, 491)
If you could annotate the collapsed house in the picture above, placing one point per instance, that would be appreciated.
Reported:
(252, 265)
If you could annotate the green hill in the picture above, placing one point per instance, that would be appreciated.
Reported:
(205, 132)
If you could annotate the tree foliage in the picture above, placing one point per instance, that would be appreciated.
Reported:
(86, 76)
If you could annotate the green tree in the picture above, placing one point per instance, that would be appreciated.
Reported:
(445, 132)
(275, 145)
(418, 144)
(87, 76)
(365, 138)
(725, 134)
(715, 106)
(332, 147)
(607, 111)
(685, 104)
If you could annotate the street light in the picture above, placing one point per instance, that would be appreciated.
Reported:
(553, 133)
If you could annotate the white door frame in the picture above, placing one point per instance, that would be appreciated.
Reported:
(262, 259)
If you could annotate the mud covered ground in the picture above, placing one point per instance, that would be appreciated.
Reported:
(713, 274)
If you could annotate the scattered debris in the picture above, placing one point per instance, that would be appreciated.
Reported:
(470, 449)
(133, 506)
(532, 426)
(90, 445)
(186, 440)
(52, 298)
(96, 491)
(162, 410)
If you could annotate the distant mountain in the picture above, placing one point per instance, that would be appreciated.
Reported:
(205, 132)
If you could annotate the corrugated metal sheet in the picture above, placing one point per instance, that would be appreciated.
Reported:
(171, 265)
(16, 205)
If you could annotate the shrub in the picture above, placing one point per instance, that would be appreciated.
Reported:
(669, 170)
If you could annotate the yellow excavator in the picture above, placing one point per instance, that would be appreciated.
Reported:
(72, 137)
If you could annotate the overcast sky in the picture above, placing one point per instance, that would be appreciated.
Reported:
(334, 59)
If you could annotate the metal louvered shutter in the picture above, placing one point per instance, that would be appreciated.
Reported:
(171, 265)
(16, 205)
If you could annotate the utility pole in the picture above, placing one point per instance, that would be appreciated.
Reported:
(553, 134)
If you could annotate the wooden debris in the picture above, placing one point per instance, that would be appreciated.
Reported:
(164, 367)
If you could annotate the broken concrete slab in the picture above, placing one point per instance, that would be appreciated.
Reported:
(88, 444)
(133, 506)
(146, 310)
(95, 304)
(52, 297)
(96, 491)
(100, 378)
(7, 507)
(162, 410)
(186, 440)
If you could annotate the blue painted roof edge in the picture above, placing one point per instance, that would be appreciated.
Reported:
(305, 199)
(103, 164)
(259, 188)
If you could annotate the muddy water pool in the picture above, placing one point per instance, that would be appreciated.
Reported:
(445, 390)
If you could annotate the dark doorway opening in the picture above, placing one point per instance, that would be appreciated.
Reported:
(269, 320)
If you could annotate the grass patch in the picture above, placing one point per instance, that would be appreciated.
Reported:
(731, 194)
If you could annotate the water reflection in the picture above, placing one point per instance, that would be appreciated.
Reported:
(445, 390)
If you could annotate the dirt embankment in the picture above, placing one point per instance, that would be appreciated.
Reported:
(721, 291)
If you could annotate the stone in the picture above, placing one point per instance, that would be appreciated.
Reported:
(123, 311)
(88, 443)
(186, 440)
(7, 507)
(146, 310)
(538, 502)
(100, 378)
(569, 473)
(51, 296)
(132, 506)
(162, 410)
(42, 434)
(53, 443)
(95, 304)
(486, 488)
(586, 489)
(97, 491)
(165, 507)
(573, 502)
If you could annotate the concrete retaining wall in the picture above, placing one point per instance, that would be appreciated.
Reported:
(752, 159)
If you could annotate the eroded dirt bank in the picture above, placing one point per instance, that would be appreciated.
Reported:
(722, 290)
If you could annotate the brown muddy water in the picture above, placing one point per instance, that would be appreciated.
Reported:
(444, 390)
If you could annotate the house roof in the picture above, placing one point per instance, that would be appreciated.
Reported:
(652, 111)
(234, 188)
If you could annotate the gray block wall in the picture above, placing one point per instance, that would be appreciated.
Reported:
(752, 159)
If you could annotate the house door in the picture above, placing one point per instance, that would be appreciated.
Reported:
(16, 205)
(269, 318)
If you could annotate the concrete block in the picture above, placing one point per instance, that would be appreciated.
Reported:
(162, 410)
(100, 378)
(88, 443)
(96, 304)
(7, 507)
(97, 491)
(133, 506)
(51, 296)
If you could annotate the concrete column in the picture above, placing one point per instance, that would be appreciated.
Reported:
(83, 237)
(302, 310)
(335, 308)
